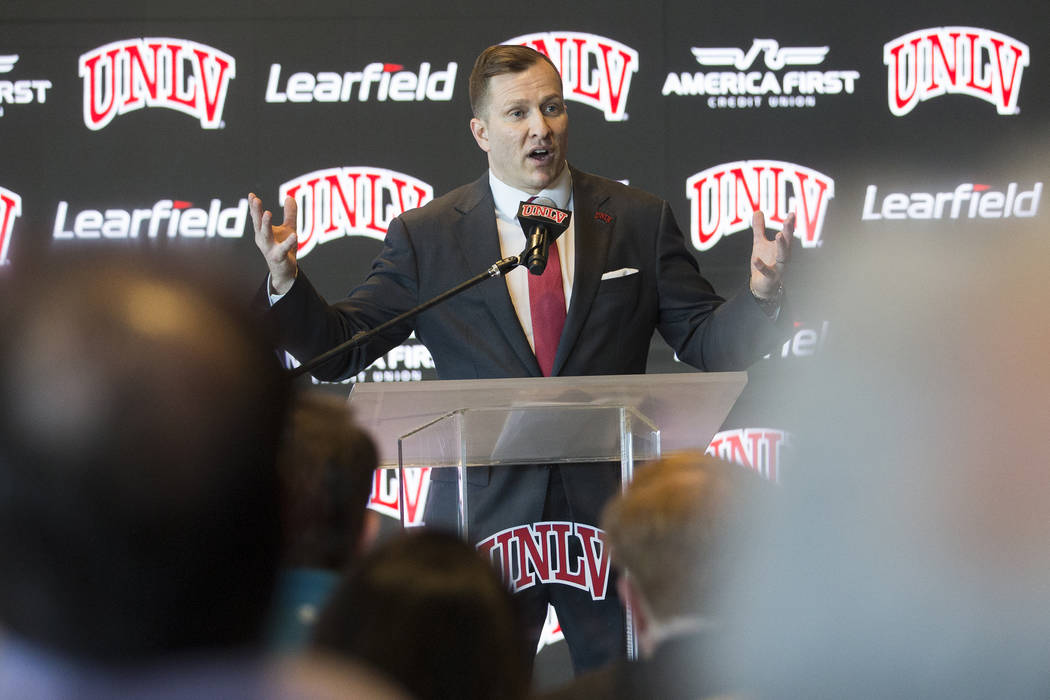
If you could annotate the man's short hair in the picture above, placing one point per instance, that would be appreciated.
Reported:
(498, 60)
(670, 529)
(140, 414)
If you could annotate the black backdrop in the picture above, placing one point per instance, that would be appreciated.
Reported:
(657, 123)
(666, 108)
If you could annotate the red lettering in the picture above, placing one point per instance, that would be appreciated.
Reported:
(211, 95)
(597, 562)
(97, 116)
(951, 71)
(349, 211)
(900, 79)
(1006, 92)
(974, 70)
(150, 78)
(580, 67)
(563, 574)
(614, 94)
(753, 201)
(716, 199)
(177, 72)
(810, 215)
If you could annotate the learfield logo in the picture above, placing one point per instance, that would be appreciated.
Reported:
(20, 92)
(351, 201)
(980, 63)
(968, 200)
(568, 553)
(167, 218)
(724, 197)
(755, 448)
(177, 74)
(391, 81)
(752, 85)
(10, 209)
(594, 70)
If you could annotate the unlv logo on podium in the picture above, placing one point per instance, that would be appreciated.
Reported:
(594, 70)
(10, 209)
(723, 198)
(123, 76)
(351, 201)
(963, 60)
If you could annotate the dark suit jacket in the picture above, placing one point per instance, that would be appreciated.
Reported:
(477, 335)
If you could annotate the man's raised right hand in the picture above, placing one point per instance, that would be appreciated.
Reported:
(278, 244)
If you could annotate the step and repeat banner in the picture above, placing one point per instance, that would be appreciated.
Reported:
(146, 125)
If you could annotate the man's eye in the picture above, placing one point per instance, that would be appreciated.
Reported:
(553, 108)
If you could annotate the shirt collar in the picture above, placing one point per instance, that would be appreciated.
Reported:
(508, 198)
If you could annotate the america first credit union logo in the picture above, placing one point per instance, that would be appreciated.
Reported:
(20, 92)
(10, 209)
(734, 78)
(124, 76)
(938, 61)
(351, 201)
(595, 71)
(723, 197)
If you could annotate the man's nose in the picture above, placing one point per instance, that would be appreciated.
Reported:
(538, 125)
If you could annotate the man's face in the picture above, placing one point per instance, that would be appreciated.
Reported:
(524, 127)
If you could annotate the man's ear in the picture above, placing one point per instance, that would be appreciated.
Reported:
(481, 134)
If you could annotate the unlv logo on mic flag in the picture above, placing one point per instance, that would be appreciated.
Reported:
(351, 201)
(10, 209)
(594, 70)
(724, 197)
(963, 60)
(178, 74)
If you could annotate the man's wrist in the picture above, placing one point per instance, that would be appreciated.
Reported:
(770, 305)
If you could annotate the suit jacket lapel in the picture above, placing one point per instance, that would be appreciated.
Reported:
(592, 250)
(479, 244)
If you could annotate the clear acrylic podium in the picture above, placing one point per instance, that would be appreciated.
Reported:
(507, 423)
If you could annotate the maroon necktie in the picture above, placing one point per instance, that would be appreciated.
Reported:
(547, 307)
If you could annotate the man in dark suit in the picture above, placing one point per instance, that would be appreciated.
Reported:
(620, 271)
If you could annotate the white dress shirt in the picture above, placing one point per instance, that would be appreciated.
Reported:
(512, 241)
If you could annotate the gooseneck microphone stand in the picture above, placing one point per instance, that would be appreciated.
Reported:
(501, 267)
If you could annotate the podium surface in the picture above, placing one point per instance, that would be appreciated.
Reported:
(687, 408)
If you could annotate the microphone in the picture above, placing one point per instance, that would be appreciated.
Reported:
(542, 222)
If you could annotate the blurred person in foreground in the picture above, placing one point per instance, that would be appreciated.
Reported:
(139, 516)
(429, 612)
(326, 468)
(909, 555)
(667, 535)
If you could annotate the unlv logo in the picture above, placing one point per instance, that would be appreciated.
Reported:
(529, 555)
(10, 209)
(724, 197)
(351, 201)
(175, 73)
(964, 60)
(755, 448)
(594, 70)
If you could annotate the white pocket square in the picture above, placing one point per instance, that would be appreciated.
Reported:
(622, 272)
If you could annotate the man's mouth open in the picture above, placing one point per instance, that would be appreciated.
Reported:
(540, 155)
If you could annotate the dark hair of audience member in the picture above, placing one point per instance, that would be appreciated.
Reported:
(428, 611)
(326, 468)
(140, 413)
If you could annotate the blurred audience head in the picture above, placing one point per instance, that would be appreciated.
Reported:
(326, 468)
(140, 413)
(909, 553)
(667, 533)
(428, 611)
